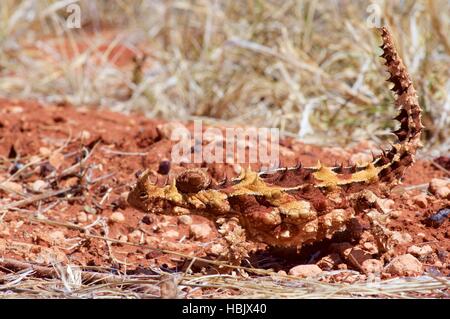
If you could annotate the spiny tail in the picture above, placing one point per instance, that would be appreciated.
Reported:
(401, 155)
(388, 167)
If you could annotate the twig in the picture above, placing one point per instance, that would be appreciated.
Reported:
(401, 189)
(12, 177)
(105, 197)
(446, 171)
(100, 178)
(47, 271)
(108, 244)
(106, 150)
(10, 190)
(36, 198)
(78, 166)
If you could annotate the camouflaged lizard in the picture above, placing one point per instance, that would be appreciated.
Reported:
(306, 205)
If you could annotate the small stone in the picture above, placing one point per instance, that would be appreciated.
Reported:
(421, 200)
(420, 251)
(439, 187)
(385, 204)
(117, 217)
(329, 262)
(401, 238)
(185, 219)
(369, 266)
(357, 256)
(38, 185)
(148, 219)
(164, 167)
(395, 214)
(305, 271)
(199, 231)
(136, 237)
(82, 217)
(405, 265)
(181, 210)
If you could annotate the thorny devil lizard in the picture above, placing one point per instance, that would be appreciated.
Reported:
(318, 202)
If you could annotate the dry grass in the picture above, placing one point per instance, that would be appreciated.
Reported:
(73, 282)
(306, 67)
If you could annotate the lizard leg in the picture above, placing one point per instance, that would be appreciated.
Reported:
(234, 234)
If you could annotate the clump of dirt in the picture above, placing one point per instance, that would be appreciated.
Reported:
(65, 174)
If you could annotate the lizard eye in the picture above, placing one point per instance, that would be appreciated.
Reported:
(143, 195)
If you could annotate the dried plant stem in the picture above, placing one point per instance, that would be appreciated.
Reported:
(35, 198)
(47, 271)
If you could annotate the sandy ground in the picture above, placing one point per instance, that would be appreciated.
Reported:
(66, 174)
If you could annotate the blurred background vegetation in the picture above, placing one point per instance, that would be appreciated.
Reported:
(310, 68)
